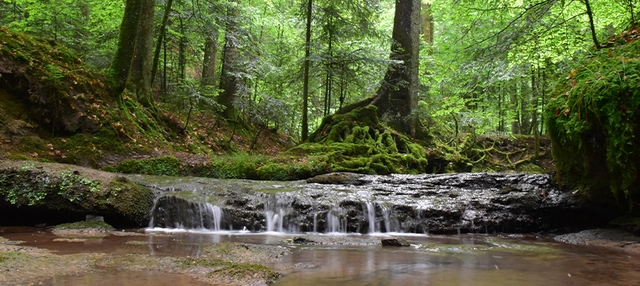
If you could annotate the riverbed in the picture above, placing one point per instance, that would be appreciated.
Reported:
(154, 257)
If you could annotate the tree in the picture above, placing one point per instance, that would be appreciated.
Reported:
(230, 78)
(142, 62)
(305, 89)
(397, 97)
(121, 64)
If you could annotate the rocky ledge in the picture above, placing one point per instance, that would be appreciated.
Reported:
(353, 203)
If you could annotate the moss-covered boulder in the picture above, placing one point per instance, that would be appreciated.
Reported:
(54, 193)
(593, 121)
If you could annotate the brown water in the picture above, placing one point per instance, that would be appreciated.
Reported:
(432, 260)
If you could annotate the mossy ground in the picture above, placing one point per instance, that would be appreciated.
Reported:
(53, 108)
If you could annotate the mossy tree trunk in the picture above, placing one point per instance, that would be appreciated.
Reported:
(229, 78)
(121, 65)
(142, 63)
(397, 97)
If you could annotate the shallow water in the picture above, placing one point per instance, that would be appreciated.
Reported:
(431, 260)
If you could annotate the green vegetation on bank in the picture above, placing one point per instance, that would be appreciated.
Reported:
(593, 122)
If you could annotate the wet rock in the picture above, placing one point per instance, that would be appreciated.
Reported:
(339, 178)
(301, 240)
(396, 241)
(611, 238)
(436, 204)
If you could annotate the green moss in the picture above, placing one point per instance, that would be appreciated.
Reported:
(5, 256)
(96, 224)
(593, 121)
(244, 271)
(272, 171)
(129, 200)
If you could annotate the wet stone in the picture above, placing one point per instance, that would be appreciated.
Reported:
(396, 241)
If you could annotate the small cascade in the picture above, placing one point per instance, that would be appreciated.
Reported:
(334, 222)
(174, 212)
(275, 220)
(371, 216)
(390, 223)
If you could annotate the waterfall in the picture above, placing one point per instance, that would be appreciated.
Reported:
(371, 216)
(275, 220)
(334, 223)
(173, 212)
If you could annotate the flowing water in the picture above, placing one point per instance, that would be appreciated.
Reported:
(467, 259)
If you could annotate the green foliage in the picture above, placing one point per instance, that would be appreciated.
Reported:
(160, 166)
(596, 112)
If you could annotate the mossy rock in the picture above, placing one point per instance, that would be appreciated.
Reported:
(85, 224)
(37, 188)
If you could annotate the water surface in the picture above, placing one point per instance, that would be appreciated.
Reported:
(471, 259)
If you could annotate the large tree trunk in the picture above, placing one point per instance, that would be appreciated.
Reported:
(143, 56)
(229, 80)
(121, 65)
(398, 94)
(210, 64)
(305, 88)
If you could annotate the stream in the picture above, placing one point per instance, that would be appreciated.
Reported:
(466, 259)
(462, 229)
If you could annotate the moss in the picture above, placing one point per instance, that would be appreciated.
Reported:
(273, 171)
(243, 271)
(240, 166)
(131, 201)
(96, 224)
(593, 121)
(5, 256)
(160, 166)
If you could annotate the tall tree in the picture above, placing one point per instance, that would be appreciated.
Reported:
(230, 78)
(210, 62)
(305, 88)
(142, 62)
(397, 97)
(121, 64)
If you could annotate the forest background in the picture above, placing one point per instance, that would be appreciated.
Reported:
(223, 73)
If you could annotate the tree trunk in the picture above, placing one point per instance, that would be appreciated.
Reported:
(121, 65)
(591, 25)
(161, 38)
(305, 88)
(427, 23)
(143, 55)
(397, 97)
(229, 80)
(210, 64)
